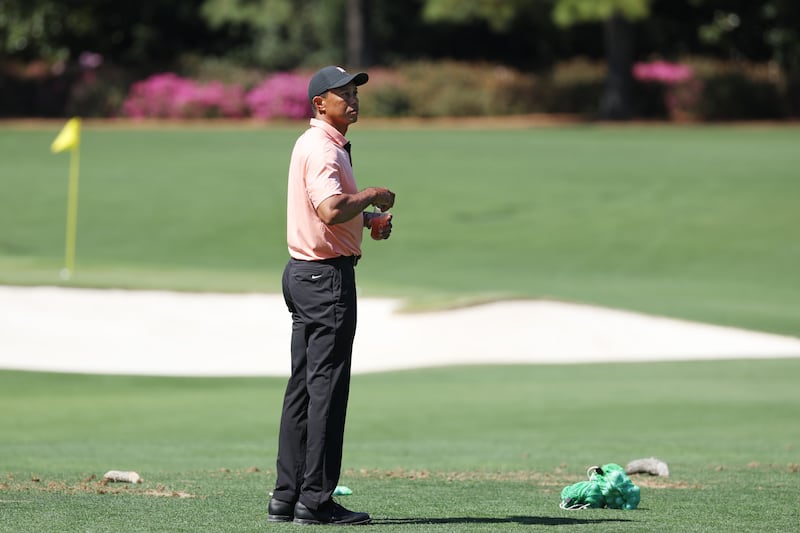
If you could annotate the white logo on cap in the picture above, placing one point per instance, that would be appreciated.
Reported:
(341, 69)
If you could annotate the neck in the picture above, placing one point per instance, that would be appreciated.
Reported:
(341, 128)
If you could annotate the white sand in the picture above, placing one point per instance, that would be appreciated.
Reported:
(165, 333)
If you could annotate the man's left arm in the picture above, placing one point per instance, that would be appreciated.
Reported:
(343, 207)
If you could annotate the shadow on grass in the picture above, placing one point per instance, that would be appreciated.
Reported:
(524, 520)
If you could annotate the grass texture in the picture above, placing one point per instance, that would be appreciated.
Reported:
(691, 222)
(458, 449)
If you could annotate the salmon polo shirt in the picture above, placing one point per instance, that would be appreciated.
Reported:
(320, 168)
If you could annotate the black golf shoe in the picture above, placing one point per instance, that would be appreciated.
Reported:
(280, 511)
(331, 514)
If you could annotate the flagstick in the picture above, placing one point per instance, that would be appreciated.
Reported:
(72, 214)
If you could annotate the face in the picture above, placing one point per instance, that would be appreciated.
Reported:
(338, 107)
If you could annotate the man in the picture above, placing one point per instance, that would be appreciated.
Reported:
(325, 222)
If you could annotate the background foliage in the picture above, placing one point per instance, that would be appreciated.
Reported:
(44, 44)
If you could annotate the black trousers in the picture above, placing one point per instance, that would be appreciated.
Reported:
(321, 295)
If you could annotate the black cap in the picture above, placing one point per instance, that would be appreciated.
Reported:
(332, 77)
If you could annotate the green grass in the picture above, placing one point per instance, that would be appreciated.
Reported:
(692, 222)
(458, 449)
(698, 223)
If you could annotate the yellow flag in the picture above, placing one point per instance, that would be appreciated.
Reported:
(69, 138)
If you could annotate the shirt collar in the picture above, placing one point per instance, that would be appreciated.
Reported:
(332, 132)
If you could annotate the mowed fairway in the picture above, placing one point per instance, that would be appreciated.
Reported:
(692, 222)
(450, 450)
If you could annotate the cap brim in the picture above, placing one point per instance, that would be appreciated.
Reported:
(359, 79)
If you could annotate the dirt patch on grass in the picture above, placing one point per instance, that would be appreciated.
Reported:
(555, 479)
(792, 468)
(655, 482)
(88, 485)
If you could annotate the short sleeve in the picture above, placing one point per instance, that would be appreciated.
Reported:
(323, 176)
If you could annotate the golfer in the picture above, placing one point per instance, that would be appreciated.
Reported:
(326, 218)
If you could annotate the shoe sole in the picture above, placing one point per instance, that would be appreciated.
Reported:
(279, 518)
(309, 522)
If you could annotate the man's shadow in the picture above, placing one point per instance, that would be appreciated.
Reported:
(524, 520)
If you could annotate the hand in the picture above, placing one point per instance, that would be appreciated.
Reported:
(383, 199)
(380, 225)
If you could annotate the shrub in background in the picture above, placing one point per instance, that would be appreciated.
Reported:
(512, 92)
(737, 97)
(282, 95)
(456, 89)
(99, 90)
(168, 95)
(694, 89)
(791, 94)
(35, 89)
(205, 69)
(102, 95)
(708, 89)
(386, 95)
(573, 87)
(663, 72)
(649, 101)
(740, 90)
(681, 89)
(444, 89)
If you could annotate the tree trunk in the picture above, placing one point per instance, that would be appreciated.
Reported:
(616, 102)
(355, 34)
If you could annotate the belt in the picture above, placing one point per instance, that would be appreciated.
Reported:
(342, 260)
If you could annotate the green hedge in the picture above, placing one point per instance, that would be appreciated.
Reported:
(719, 91)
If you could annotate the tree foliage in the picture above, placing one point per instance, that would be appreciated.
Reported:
(150, 32)
(281, 34)
(276, 34)
(32, 29)
(569, 12)
(498, 13)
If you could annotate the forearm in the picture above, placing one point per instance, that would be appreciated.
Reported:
(343, 207)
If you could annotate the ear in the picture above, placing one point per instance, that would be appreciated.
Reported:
(319, 104)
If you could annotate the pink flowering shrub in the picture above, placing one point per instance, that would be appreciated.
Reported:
(168, 95)
(282, 95)
(662, 72)
(682, 90)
